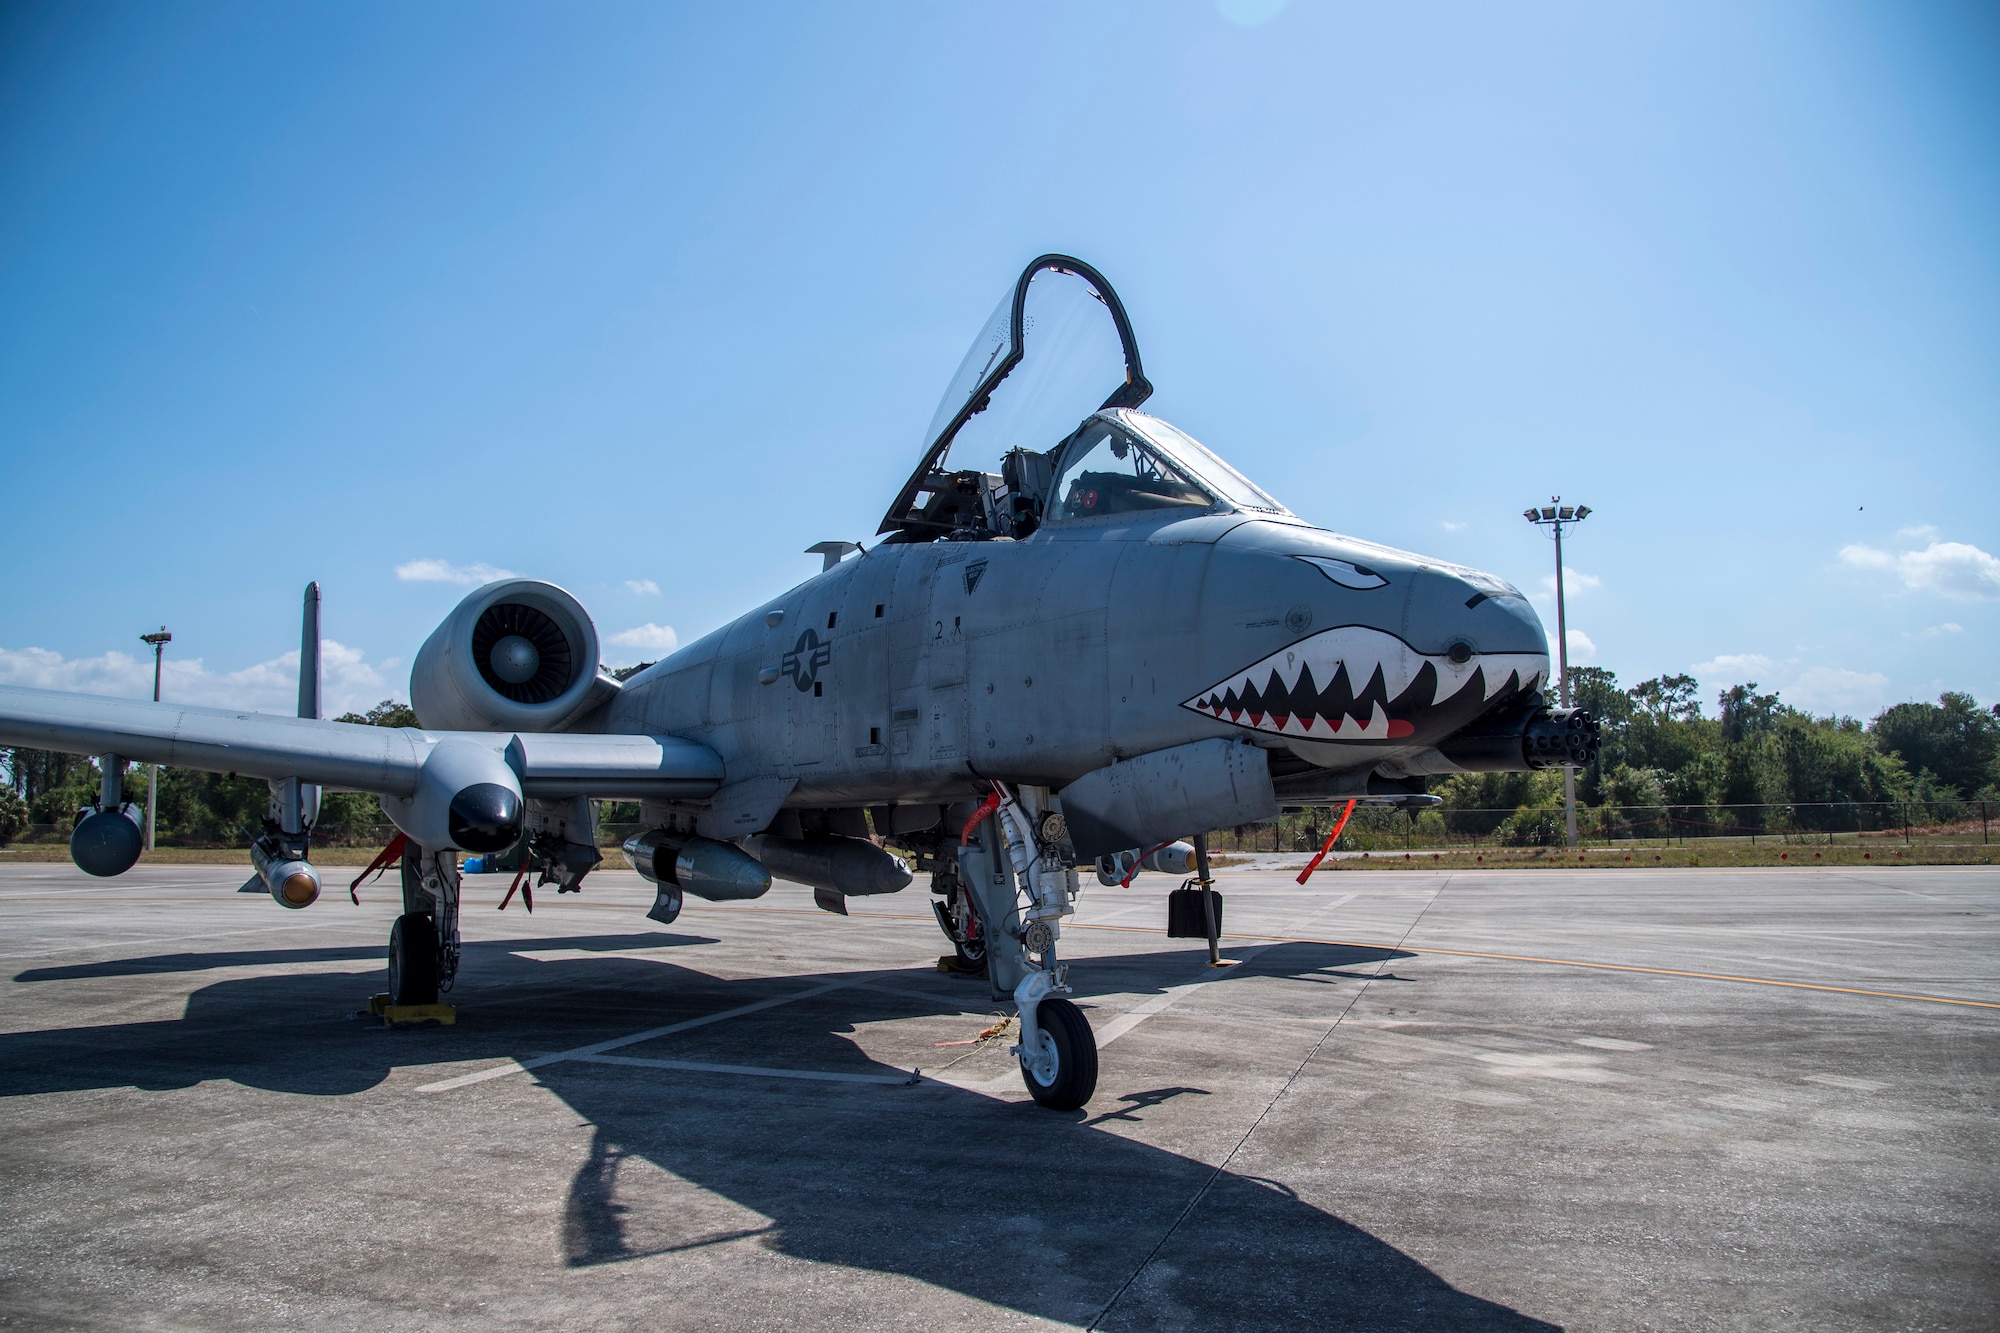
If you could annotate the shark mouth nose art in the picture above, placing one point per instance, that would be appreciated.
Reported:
(1353, 683)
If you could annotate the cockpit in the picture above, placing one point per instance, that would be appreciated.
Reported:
(1032, 392)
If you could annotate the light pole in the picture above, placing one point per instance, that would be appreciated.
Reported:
(159, 642)
(1553, 516)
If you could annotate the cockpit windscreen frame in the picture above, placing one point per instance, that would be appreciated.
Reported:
(912, 520)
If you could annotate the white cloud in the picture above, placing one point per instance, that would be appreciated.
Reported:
(1956, 570)
(643, 587)
(1949, 627)
(1450, 526)
(1824, 689)
(443, 571)
(1816, 687)
(1922, 532)
(648, 638)
(1581, 649)
(1574, 581)
(349, 682)
(1734, 668)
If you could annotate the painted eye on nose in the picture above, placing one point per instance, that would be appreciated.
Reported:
(1345, 572)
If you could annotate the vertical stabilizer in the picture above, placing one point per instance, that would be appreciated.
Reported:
(298, 802)
(309, 677)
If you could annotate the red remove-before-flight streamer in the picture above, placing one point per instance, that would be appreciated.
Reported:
(1331, 838)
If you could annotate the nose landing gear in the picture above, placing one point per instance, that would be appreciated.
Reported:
(1058, 1050)
(1058, 1053)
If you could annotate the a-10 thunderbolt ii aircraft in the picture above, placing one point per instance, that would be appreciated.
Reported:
(1091, 639)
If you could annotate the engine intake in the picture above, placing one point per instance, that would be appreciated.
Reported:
(518, 655)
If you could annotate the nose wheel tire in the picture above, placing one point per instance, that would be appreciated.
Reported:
(413, 960)
(1065, 1033)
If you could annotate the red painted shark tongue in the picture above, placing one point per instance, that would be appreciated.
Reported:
(1398, 728)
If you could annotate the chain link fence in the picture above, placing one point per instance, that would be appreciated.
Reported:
(1966, 822)
(1823, 823)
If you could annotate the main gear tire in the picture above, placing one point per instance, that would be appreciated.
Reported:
(1067, 1032)
(413, 960)
(971, 954)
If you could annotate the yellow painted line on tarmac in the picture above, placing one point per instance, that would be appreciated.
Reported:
(1577, 962)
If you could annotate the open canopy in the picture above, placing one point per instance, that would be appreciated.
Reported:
(1057, 348)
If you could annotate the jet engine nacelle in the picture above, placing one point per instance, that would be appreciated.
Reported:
(517, 655)
(467, 797)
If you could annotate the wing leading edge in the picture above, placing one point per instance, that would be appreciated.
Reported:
(385, 760)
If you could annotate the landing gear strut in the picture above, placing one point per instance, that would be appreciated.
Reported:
(1058, 1050)
(423, 944)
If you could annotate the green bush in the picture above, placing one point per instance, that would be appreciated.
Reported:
(13, 815)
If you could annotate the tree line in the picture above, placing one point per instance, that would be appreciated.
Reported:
(1663, 758)
(48, 787)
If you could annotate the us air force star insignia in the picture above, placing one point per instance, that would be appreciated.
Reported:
(973, 573)
(802, 664)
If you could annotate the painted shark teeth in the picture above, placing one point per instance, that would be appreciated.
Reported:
(1354, 683)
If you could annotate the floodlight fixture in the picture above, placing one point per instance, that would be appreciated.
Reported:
(1555, 516)
(159, 641)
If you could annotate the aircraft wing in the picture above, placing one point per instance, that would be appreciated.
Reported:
(384, 760)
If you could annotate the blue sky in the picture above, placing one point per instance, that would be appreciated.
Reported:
(645, 299)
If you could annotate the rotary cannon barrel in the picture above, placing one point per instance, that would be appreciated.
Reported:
(1521, 740)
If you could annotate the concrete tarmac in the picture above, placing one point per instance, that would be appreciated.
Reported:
(1759, 1099)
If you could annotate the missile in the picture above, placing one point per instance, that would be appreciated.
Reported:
(1176, 858)
(293, 883)
(717, 871)
(850, 866)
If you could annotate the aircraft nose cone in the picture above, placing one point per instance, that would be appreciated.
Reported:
(515, 660)
(485, 817)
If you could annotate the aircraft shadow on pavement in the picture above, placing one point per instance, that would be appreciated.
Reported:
(1005, 1202)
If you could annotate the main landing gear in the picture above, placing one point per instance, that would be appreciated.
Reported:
(423, 944)
(413, 960)
(958, 918)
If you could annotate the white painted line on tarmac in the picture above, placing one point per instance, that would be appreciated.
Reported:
(1326, 909)
(1145, 1009)
(600, 1047)
(754, 1071)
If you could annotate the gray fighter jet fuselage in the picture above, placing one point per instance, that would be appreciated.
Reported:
(916, 673)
